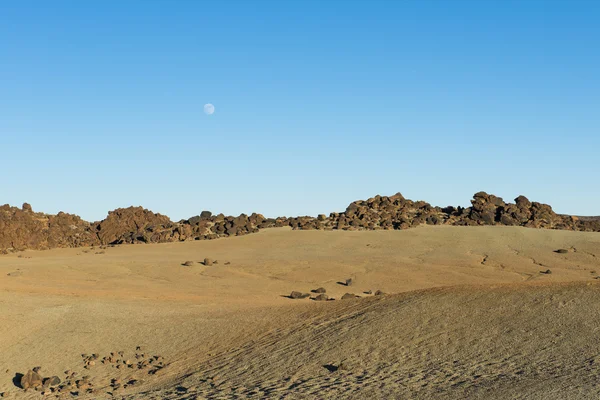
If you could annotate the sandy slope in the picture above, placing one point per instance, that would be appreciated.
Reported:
(227, 331)
(504, 343)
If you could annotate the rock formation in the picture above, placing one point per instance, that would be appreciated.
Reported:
(134, 225)
(23, 228)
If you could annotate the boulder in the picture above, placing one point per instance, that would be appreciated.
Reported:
(51, 381)
(31, 380)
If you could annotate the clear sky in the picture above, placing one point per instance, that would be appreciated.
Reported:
(317, 104)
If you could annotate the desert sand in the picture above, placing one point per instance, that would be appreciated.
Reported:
(467, 313)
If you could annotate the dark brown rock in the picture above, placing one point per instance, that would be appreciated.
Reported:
(52, 381)
(298, 295)
(22, 228)
(132, 225)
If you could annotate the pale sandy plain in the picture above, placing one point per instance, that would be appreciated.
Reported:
(468, 315)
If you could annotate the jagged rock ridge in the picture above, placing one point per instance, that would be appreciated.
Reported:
(25, 229)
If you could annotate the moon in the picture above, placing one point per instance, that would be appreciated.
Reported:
(209, 109)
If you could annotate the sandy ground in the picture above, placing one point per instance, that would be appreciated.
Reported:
(469, 315)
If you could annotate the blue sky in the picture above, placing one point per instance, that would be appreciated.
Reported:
(317, 104)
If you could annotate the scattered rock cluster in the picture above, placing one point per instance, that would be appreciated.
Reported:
(320, 293)
(22, 228)
(33, 380)
(75, 386)
(150, 364)
(72, 385)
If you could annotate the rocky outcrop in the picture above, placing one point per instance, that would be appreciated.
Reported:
(491, 210)
(22, 228)
(25, 229)
(134, 225)
(396, 212)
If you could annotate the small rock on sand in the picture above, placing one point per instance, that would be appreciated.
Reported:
(322, 297)
(298, 295)
(349, 296)
(188, 263)
(320, 290)
(379, 293)
(208, 262)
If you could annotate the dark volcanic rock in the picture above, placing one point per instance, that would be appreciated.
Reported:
(135, 225)
(22, 228)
